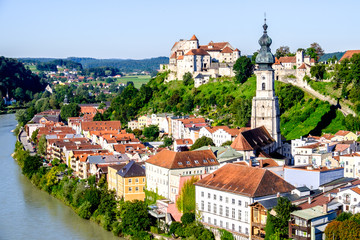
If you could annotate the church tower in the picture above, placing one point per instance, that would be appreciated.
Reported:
(265, 105)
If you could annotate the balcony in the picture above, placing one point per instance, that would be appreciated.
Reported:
(302, 228)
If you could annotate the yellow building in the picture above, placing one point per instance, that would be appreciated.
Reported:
(344, 136)
(127, 181)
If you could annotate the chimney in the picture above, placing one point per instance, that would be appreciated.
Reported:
(325, 208)
(309, 200)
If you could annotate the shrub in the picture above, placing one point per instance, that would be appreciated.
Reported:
(188, 218)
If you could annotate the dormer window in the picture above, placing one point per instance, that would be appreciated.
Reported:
(196, 161)
(180, 163)
(187, 162)
(205, 161)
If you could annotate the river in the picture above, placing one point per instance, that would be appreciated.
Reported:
(29, 213)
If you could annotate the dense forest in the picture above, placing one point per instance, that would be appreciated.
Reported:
(19, 82)
(123, 65)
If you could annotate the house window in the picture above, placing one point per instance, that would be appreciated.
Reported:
(136, 189)
(246, 231)
(239, 229)
(202, 205)
(209, 220)
(221, 210)
(246, 204)
(246, 216)
(130, 180)
(239, 202)
(221, 223)
(209, 195)
(214, 221)
(233, 213)
(263, 86)
(214, 208)
(227, 211)
(227, 225)
(233, 201)
(209, 207)
(239, 215)
(202, 194)
(136, 180)
(220, 198)
(233, 227)
(214, 197)
(130, 189)
(226, 200)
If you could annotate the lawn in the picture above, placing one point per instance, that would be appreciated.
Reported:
(137, 80)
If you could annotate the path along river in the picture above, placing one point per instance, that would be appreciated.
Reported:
(29, 213)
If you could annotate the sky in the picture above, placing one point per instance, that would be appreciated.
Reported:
(140, 29)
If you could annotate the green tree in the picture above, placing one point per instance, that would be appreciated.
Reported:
(69, 110)
(137, 132)
(151, 132)
(269, 227)
(167, 142)
(188, 79)
(134, 216)
(34, 135)
(241, 108)
(227, 143)
(200, 142)
(188, 217)
(281, 220)
(318, 71)
(243, 69)
(282, 51)
(41, 147)
(225, 235)
(31, 165)
(186, 200)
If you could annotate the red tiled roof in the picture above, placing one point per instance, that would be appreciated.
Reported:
(252, 139)
(341, 147)
(349, 54)
(180, 58)
(193, 38)
(356, 189)
(302, 66)
(215, 128)
(197, 52)
(184, 141)
(227, 50)
(173, 55)
(287, 59)
(244, 180)
(277, 62)
(269, 162)
(342, 133)
(192, 120)
(101, 125)
(175, 160)
(311, 146)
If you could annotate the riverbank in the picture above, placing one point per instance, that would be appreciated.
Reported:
(88, 199)
(30, 213)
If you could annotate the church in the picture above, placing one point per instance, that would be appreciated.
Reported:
(264, 137)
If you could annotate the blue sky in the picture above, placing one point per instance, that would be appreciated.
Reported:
(142, 29)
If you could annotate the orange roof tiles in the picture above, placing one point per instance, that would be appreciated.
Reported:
(349, 54)
(341, 147)
(197, 52)
(227, 50)
(287, 59)
(192, 120)
(175, 160)
(269, 162)
(311, 146)
(356, 189)
(194, 38)
(215, 128)
(101, 125)
(180, 58)
(184, 141)
(244, 180)
(342, 133)
(302, 66)
(173, 55)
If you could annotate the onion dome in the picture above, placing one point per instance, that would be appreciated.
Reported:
(265, 58)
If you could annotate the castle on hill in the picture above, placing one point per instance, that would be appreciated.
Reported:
(202, 61)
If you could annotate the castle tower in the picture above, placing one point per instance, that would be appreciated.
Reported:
(299, 58)
(265, 105)
(194, 42)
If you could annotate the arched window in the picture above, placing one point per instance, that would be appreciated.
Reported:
(263, 86)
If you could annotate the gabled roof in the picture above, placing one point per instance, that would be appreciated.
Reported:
(356, 189)
(341, 147)
(302, 66)
(227, 50)
(132, 169)
(175, 160)
(252, 139)
(244, 180)
(180, 57)
(215, 128)
(198, 51)
(101, 125)
(349, 54)
(287, 59)
(184, 141)
(342, 133)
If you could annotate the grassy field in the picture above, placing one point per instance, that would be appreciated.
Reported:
(32, 68)
(137, 80)
(326, 88)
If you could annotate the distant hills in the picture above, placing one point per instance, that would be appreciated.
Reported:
(124, 65)
(326, 56)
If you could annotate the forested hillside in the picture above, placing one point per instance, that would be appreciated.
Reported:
(123, 65)
(226, 103)
(17, 81)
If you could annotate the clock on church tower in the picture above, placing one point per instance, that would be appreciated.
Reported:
(265, 105)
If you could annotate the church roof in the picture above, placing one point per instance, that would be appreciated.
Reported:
(252, 139)
(287, 59)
